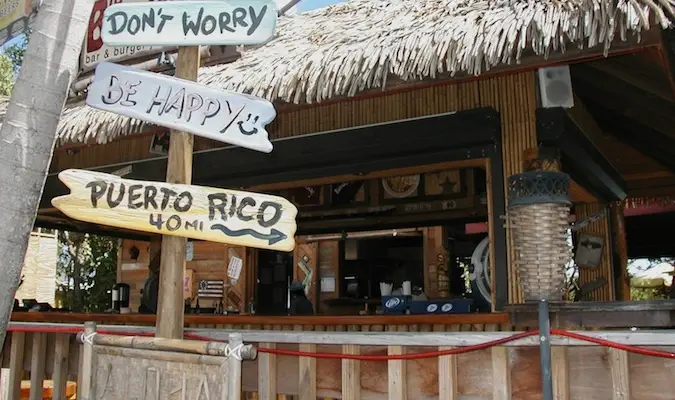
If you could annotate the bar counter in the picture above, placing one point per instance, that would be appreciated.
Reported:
(375, 323)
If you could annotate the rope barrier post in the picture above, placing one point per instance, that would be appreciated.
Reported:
(84, 386)
(235, 342)
(545, 351)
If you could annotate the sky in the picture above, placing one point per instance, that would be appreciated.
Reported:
(306, 5)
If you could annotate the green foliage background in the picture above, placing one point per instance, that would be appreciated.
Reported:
(87, 270)
(10, 63)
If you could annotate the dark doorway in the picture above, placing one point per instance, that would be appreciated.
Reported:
(274, 275)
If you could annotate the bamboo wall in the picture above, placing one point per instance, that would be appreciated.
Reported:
(599, 228)
(512, 95)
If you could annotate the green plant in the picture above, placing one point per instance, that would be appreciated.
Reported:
(87, 268)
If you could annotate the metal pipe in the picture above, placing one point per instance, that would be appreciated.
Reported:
(287, 7)
(545, 351)
(355, 235)
(148, 65)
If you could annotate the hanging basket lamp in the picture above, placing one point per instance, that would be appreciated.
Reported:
(538, 215)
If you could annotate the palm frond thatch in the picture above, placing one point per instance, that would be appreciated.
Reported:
(347, 48)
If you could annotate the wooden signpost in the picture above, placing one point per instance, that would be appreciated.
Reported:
(187, 23)
(200, 23)
(224, 116)
(203, 213)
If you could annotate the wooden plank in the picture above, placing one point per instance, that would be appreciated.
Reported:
(398, 389)
(227, 117)
(60, 373)
(351, 374)
(501, 374)
(4, 384)
(257, 21)
(16, 364)
(176, 209)
(560, 373)
(130, 319)
(86, 368)
(267, 373)
(447, 376)
(620, 370)
(618, 225)
(307, 373)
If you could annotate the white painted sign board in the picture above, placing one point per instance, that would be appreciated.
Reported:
(234, 268)
(190, 23)
(182, 105)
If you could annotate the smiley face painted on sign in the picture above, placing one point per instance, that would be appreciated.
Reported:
(251, 130)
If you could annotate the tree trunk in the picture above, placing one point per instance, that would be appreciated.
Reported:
(29, 131)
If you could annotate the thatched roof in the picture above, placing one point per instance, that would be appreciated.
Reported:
(354, 46)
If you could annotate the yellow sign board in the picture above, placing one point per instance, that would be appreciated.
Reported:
(202, 213)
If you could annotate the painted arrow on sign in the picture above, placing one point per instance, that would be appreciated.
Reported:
(273, 237)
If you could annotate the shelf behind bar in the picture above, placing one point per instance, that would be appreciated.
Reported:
(193, 319)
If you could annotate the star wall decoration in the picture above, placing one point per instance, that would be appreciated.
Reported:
(447, 186)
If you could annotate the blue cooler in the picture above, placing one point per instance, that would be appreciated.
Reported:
(449, 306)
(394, 304)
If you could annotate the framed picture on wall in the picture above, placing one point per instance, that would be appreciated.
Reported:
(589, 250)
(160, 144)
(401, 187)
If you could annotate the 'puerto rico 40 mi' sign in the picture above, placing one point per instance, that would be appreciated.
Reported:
(202, 213)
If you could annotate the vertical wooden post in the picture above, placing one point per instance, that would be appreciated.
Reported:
(560, 372)
(351, 374)
(267, 373)
(619, 367)
(397, 375)
(37, 365)
(501, 374)
(234, 368)
(84, 386)
(620, 249)
(307, 373)
(447, 376)
(60, 374)
(16, 364)
(179, 170)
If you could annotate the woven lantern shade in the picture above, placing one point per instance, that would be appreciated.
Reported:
(538, 212)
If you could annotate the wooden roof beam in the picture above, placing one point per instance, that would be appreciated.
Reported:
(588, 126)
(646, 140)
(580, 157)
(624, 99)
(631, 70)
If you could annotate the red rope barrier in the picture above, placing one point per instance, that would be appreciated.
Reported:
(413, 356)
(619, 346)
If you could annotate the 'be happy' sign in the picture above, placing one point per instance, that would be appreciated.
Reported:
(190, 23)
(182, 105)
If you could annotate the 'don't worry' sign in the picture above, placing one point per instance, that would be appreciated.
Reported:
(190, 23)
